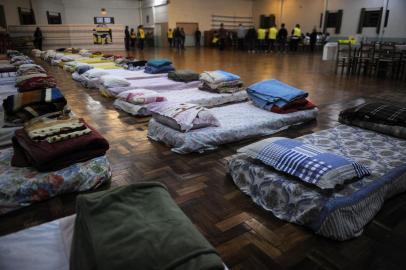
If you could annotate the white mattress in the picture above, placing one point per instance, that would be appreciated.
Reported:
(194, 95)
(238, 121)
(162, 84)
(134, 74)
(46, 246)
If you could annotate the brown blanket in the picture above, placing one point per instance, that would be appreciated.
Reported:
(45, 156)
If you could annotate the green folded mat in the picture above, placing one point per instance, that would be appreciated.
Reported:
(137, 227)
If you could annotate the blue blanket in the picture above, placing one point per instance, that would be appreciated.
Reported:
(156, 70)
(309, 163)
(159, 62)
(268, 93)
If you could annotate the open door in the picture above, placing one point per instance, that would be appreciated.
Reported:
(190, 29)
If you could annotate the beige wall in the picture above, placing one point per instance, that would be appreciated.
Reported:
(10, 10)
(304, 12)
(200, 11)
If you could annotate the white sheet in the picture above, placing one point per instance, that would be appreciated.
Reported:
(194, 95)
(238, 121)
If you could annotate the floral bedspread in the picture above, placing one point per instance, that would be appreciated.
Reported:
(343, 212)
(20, 187)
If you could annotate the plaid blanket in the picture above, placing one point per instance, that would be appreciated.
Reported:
(309, 163)
(376, 112)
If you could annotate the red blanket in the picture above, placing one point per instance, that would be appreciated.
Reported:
(294, 106)
(46, 156)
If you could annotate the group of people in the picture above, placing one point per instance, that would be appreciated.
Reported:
(133, 38)
(268, 40)
(177, 38)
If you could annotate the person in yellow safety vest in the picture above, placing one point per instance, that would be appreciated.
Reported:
(170, 37)
(272, 33)
(141, 37)
(261, 35)
(296, 36)
(133, 37)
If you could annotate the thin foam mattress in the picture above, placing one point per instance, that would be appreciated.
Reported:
(194, 95)
(237, 122)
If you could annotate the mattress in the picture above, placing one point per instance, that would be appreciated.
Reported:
(341, 213)
(22, 187)
(194, 95)
(134, 74)
(46, 246)
(238, 122)
(156, 84)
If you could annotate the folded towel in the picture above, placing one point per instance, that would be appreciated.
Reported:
(159, 62)
(183, 75)
(156, 70)
(218, 76)
(268, 93)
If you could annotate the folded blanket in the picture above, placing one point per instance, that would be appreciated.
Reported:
(30, 69)
(141, 96)
(137, 227)
(158, 63)
(182, 116)
(268, 93)
(45, 156)
(294, 106)
(223, 87)
(36, 83)
(22, 78)
(57, 129)
(218, 76)
(156, 70)
(377, 112)
(183, 75)
(7, 68)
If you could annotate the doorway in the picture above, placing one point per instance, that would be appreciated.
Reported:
(190, 29)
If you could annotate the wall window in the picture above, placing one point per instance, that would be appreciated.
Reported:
(333, 20)
(103, 20)
(54, 17)
(370, 18)
(26, 16)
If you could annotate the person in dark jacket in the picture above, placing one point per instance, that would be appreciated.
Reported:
(182, 38)
(133, 37)
(313, 39)
(127, 38)
(222, 37)
(198, 36)
(176, 38)
(282, 38)
(38, 39)
(251, 38)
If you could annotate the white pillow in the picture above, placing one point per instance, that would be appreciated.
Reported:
(141, 96)
(113, 81)
(95, 73)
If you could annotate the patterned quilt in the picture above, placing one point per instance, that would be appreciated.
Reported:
(342, 213)
(20, 187)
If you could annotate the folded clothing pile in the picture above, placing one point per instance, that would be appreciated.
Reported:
(305, 162)
(156, 66)
(36, 52)
(135, 64)
(111, 225)
(22, 107)
(184, 75)
(378, 116)
(141, 96)
(34, 82)
(53, 144)
(182, 116)
(12, 53)
(20, 60)
(220, 81)
(29, 69)
(278, 97)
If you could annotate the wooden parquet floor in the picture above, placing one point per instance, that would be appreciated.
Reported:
(246, 236)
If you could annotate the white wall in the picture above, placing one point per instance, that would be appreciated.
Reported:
(42, 6)
(11, 12)
(200, 11)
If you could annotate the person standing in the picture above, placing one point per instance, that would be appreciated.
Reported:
(38, 39)
(198, 37)
(313, 39)
(170, 37)
(240, 36)
(251, 38)
(182, 38)
(133, 37)
(222, 37)
(282, 37)
(127, 38)
(273, 31)
(141, 37)
(261, 39)
(296, 35)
